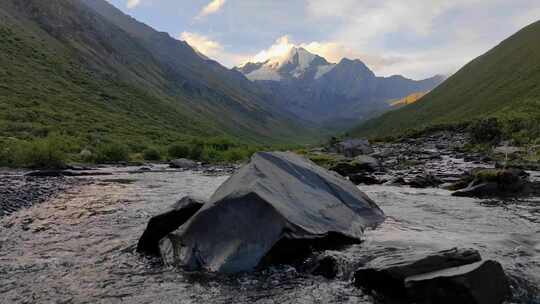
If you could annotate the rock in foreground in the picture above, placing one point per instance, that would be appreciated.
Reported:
(479, 283)
(277, 206)
(165, 223)
(450, 276)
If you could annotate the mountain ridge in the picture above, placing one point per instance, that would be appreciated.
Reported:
(502, 83)
(120, 81)
(330, 94)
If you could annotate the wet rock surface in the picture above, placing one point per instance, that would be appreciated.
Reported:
(478, 283)
(274, 208)
(161, 225)
(450, 276)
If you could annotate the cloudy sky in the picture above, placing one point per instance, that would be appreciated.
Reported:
(415, 38)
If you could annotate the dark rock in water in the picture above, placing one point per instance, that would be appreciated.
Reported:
(182, 163)
(480, 190)
(165, 223)
(387, 274)
(479, 283)
(398, 181)
(495, 182)
(276, 202)
(361, 164)
(451, 276)
(58, 173)
(362, 178)
(46, 173)
(424, 181)
(325, 265)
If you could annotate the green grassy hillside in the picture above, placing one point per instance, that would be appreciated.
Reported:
(503, 83)
(67, 71)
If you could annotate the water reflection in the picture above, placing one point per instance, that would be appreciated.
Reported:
(79, 248)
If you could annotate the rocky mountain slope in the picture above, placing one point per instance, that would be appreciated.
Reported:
(84, 69)
(503, 83)
(327, 93)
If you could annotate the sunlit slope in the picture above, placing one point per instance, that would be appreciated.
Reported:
(503, 83)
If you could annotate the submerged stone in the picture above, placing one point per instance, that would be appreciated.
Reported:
(274, 208)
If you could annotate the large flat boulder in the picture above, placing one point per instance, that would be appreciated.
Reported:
(277, 205)
(387, 273)
(478, 283)
(495, 183)
(450, 276)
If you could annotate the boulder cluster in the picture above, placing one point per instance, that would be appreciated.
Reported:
(283, 209)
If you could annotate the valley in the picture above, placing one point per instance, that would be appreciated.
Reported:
(163, 151)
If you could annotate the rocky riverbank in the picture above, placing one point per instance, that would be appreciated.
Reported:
(18, 190)
(438, 160)
(23, 189)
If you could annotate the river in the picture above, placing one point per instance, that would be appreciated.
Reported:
(79, 246)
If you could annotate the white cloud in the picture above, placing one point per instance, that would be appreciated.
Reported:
(212, 49)
(279, 48)
(212, 8)
(133, 3)
(202, 44)
(416, 38)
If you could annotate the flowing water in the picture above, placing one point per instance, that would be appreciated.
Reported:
(79, 246)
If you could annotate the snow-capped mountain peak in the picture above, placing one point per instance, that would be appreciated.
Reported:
(297, 63)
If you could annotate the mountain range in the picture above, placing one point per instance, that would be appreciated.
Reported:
(85, 69)
(503, 83)
(330, 94)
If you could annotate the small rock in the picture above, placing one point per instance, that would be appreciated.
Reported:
(183, 163)
(424, 181)
(365, 179)
(165, 223)
(326, 266)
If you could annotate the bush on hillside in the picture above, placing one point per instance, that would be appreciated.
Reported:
(112, 153)
(486, 131)
(151, 154)
(179, 150)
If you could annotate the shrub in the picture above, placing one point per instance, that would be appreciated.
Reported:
(236, 154)
(151, 154)
(210, 154)
(196, 152)
(179, 151)
(42, 153)
(486, 130)
(112, 153)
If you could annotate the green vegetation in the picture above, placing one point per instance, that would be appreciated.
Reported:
(214, 150)
(109, 96)
(152, 154)
(112, 153)
(40, 153)
(501, 84)
(55, 151)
